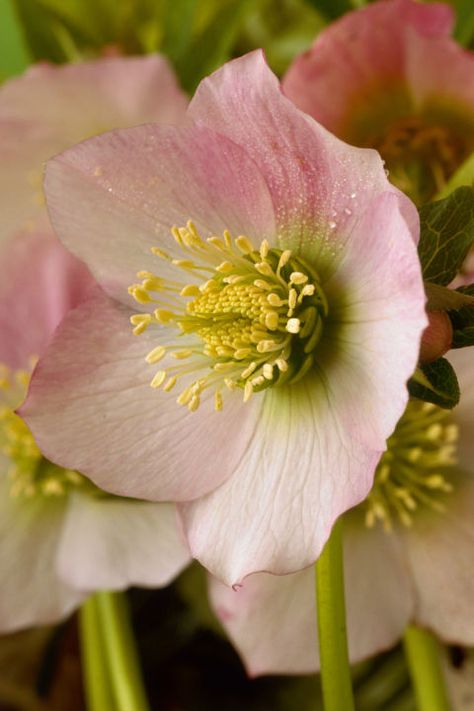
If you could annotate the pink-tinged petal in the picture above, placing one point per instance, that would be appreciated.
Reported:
(172, 175)
(301, 470)
(110, 544)
(81, 100)
(441, 76)
(361, 55)
(384, 308)
(24, 147)
(91, 408)
(318, 184)
(462, 361)
(32, 593)
(51, 108)
(40, 282)
(272, 620)
(440, 551)
(318, 441)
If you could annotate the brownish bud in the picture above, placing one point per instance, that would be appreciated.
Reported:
(437, 336)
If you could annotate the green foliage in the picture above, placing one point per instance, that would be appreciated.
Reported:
(14, 56)
(447, 233)
(463, 176)
(463, 321)
(464, 30)
(441, 298)
(437, 383)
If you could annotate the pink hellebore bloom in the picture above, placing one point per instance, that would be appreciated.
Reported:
(390, 77)
(60, 537)
(53, 107)
(421, 572)
(288, 340)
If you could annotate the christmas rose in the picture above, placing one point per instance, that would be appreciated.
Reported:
(276, 320)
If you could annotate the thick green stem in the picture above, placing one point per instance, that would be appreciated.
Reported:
(122, 658)
(95, 674)
(422, 651)
(335, 670)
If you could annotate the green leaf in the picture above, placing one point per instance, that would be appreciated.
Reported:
(14, 57)
(464, 30)
(447, 233)
(212, 46)
(437, 383)
(463, 321)
(463, 176)
(332, 9)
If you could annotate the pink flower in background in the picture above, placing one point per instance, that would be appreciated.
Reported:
(390, 77)
(52, 107)
(61, 538)
(419, 572)
(279, 315)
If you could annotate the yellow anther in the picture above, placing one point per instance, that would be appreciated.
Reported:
(155, 355)
(190, 290)
(140, 322)
(139, 294)
(194, 403)
(244, 244)
(264, 249)
(248, 370)
(281, 364)
(272, 320)
(298, 278)
(261, 284)
(218, 401)
(264, 269)
(163, 316)
(181, 355)
(225, 267)
(242, 353)
(284, 259)
(153, 284)
(274, 300)
(158, 379)
(292, 298)
(268, 371)
(248, 391)
(184, 263)
(293, 325)
(160, 253)
(170, 383)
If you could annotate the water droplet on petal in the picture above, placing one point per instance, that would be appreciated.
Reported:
(332, 225)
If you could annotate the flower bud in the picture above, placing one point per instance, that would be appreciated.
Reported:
(437, 336)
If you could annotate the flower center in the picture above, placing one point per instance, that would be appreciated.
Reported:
(414, 472)
(30, 473)
(421, 157)
(251, 319)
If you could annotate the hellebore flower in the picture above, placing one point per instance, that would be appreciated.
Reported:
(52, 107)
(61, 538)
(408, 552)
(281, 293)
(389, 76)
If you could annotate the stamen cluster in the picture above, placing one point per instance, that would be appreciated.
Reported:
(30, 473)
(414, 471)
(255, 316)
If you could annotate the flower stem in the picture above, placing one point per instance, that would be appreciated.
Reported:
(96, 680)
(119, 644)
(422, 651)
(335, 670)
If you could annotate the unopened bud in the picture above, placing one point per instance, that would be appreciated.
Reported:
(437, 336)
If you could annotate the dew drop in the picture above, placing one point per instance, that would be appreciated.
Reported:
(353, 196)
(347, 211)
(332, 225)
